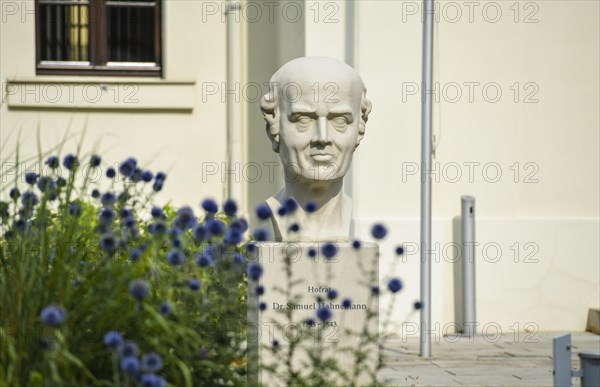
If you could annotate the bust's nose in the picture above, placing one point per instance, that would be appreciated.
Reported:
(322, 133)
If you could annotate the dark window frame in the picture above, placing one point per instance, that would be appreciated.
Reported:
(98, 43)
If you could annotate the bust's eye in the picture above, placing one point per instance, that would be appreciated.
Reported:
(340, 122)
(303, 123)
(304, 120)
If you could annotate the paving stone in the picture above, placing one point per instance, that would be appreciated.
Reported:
(478, 361)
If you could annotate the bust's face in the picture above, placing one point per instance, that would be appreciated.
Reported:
(319, 109)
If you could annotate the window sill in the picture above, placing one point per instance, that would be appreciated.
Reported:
(86, 69)
(99, 93)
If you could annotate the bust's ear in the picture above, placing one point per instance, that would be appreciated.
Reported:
(268, 107)
(365, 110)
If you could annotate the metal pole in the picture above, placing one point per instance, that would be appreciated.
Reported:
(426, 144)
(234, 115)
(468, 239)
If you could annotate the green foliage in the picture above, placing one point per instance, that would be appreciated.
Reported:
(52, 254)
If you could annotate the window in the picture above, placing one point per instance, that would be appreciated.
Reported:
(98, 37)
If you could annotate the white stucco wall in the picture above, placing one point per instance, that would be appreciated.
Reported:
(134, 117)
(542, 135)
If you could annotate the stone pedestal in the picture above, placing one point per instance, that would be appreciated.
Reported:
(289, 337)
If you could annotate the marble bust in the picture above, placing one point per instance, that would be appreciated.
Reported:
(316, 111)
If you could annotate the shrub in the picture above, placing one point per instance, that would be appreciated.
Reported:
(103, 288)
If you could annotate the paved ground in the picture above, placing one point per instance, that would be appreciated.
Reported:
(525, 360)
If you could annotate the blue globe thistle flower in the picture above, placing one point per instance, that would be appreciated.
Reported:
(95, 161)
(379, 231)
(238, 258)
(251, 248)
(161, 176)
(30, 178)
(263, 211)
(75, 210)
(156, 212)
(106, 215)
(324, 314)
(356, 245)
(175, 257)
(20, 225)
(255, 271)
(176, 242)
(152, 380)
(311, 206)
(295, 227)
(215, 227)
(185, 218)
(158, 228)
(199, 232)
(375, 290)
(152, 362)
(108, 243)
(137, 175)
(124, 212)
(135, 254)
(346, 303)
(394, 285)
(52, 162)
(230, 207)
(262, 306)
(14, 193)
(130, 222)
(95, 193)
(61, 182)
(210, 206)
(128, 348)
(113, 339)
(240, 224)
(70, 162)
(45, 184)
(204, 260)
(291, 205)
(130, 365)
(261, 234)
(147, 176)
(312, 252)
(108, 199)
(110, 172)
(332, 294)
(399, 250)
(157, 186)
(194, 284)
(275, 343)
(232, 237)
(417, 305)
(53, 315)
(260, 290)
(281, 211)
(29, 200)
(329, 250)
(165, 309)
(203, 352)
(128, 167)
(138, 289)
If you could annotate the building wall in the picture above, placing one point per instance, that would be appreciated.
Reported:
(542, 211)
(530, 157)
(169, 124)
